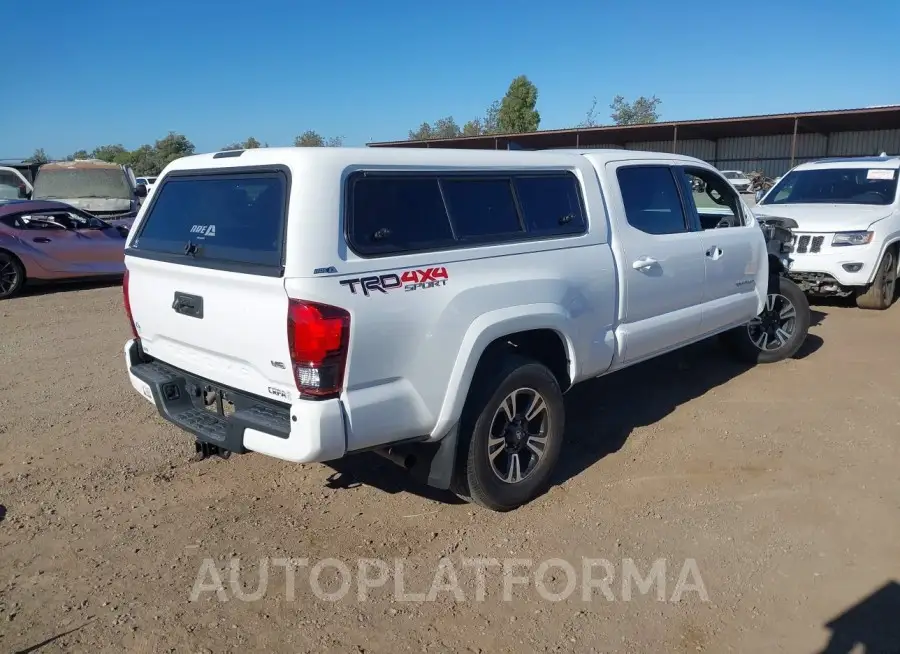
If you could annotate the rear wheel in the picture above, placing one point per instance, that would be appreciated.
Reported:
(12, 275)
(514, 419)
(778, 331)
(880, 293)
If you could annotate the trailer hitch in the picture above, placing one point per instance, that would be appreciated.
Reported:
(206, 450)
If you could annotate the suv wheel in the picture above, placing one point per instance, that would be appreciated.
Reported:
(12, 275)
(880, 293)
(515, 420)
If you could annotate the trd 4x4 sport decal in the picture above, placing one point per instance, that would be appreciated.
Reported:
(408, 280)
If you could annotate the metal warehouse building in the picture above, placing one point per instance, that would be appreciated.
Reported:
(773, 143)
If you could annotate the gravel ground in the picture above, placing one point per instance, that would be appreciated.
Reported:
(770, 496)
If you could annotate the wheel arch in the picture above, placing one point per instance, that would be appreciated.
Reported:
(892, 241)
(539, 331)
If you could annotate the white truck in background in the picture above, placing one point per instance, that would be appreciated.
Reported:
(432, 305)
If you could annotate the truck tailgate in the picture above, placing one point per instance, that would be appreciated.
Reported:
(230, 328)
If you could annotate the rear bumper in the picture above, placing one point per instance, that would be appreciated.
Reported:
(304, 432)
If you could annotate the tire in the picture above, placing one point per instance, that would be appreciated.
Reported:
(778, 332)
(880, 294)
(490, 481)
(12, 275)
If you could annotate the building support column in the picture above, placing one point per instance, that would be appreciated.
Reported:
(716, 153)
(675, 141)
(794, 142)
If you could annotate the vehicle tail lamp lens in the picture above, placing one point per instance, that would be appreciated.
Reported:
(318, 339)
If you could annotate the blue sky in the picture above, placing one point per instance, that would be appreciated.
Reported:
(101, 71)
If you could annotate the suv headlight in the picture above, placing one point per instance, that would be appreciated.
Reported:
(852, 238)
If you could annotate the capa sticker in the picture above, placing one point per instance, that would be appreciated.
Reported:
(880, 173)
(409, 280)
(204, 230)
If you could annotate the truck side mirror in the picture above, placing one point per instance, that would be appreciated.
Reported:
(140, 190)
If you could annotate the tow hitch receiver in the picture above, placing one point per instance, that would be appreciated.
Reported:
(206, 450)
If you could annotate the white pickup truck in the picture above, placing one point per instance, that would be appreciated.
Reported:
(847, 213)
(431, 305)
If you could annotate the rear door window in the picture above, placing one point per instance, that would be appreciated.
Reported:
(222, 218)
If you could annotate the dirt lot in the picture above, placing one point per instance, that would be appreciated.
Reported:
(780, 483)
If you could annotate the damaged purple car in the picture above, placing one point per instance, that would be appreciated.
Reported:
(49, 241)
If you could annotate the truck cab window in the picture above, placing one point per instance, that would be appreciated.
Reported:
(652, 202)
(718, 204)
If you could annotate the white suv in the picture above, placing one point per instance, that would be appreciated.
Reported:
(848, 217)
(432, 305)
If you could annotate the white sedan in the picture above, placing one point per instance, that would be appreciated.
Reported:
(738, 180)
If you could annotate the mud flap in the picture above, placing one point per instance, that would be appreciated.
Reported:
(435, 462)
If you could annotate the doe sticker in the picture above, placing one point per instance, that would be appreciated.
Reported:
(880, 173)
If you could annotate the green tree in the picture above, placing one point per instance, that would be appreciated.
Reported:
(250, 144)
(39, 157)
(442, 128)
(81, 154)
(111, 153)
(518, 113)
(424, 133)
(144, 161)
(312, 139)
(447, 128)
(474, 127)
(491, 122)
(642, 111)
(590, 118)
(171, 147)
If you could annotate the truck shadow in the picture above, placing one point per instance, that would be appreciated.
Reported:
(602, 414)
(873, 623)
(36, 288)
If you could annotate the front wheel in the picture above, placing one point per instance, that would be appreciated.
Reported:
(12, 275)
(514, 419)
(879, 295)
(779, 331)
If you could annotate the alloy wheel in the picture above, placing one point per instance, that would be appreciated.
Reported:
(9, 275)
(774, 327)
(518, 435)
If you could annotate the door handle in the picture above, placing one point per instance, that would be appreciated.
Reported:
(644, 262)
(41, 239)
(714, 252)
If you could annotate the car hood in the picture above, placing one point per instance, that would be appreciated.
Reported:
(825, 218)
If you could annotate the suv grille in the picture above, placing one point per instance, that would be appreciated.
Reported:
(809, 244)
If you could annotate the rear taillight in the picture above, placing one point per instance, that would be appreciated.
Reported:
(128, 305)
(318, 338)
